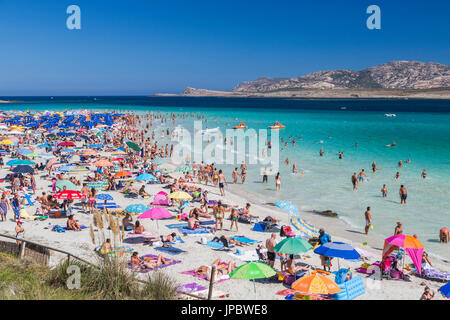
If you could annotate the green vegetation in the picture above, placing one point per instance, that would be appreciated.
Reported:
(26, 280)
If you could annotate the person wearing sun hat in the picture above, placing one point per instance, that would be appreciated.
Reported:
(19, 231)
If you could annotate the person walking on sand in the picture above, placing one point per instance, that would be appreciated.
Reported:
(368, 217)
(265, 175)
(270, 244)
(234, 219)
(403, 194)
(222, 180)
(278, 182)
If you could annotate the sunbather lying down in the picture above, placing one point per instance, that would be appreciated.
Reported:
(227, 240)
(148, 262)
(222, 269)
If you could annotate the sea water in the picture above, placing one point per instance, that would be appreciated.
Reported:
(421, 130)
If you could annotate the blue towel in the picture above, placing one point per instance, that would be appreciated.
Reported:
(215, 244)
(177, 225)
(170, 250)
(244, 240)
(195, 231)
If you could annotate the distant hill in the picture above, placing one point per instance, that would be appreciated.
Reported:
(392, 75)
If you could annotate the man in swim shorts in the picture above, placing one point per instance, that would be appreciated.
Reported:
(270, 244)
(368, 219)
(403, 194)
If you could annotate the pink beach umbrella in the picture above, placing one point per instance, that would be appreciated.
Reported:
(412, 246)
(156, 213)
(161, 199)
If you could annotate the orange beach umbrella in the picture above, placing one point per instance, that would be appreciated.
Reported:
(316, 283)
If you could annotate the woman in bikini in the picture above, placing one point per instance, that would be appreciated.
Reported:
(221, 269)
(147, 262)
(72, 224)
(92, 196)
(218, 214)
(234, 219)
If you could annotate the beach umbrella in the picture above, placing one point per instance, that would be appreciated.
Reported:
(103, 163)
(60, 184)
(105, 197)
(145, 177)
(288, 206)
(69, 194)
(133, 146)
(90, 152)
(292, 246)
(7, 141)
(179, 195)
(252, 271)
(23, 169)
(66, 168)
(122, 174)
(413, 247)
(32, 155)
(25, 151)
(67, 144)
(317, 284)
(338, 250)
(44, 145)
(68, 150)
(16, 162)
(96, 146)
(118, 152)
(118, 159)
(156, 213)
(137, 208)
(445, 290)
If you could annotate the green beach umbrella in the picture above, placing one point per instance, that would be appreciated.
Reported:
(60, 184)
(252, 271)
(133, 146)
(18, 162)
(292, 246)
(32, 155)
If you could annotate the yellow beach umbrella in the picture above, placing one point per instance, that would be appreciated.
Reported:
(179, 195)
(118, 152)
(7, 141)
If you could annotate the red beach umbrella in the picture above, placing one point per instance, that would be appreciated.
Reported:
(67, 144)
(69, 194)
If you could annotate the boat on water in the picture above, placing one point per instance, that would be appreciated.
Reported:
(277, 125)
(240, 126)
(390, 115)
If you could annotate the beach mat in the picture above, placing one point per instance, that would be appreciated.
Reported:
(170, 250)
(245, 240)
(191, 287)
(184, 225)
(138, 269)
(198, 231)
(145, 234)
(247, 255)
(215, 244)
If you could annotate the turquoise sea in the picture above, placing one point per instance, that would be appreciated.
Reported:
(421, 130)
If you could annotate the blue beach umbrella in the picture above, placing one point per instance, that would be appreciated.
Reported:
(288, 206)
(445, 290)
(338, 250)
(16, 162)
(104, 196)
(137, 208)
(68, 150)
(25, 151)
(145, 177)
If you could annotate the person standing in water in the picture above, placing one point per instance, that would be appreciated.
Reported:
(355, 181)
(368, 217)
(235, 175)
(278, 182)
(398, 229)
(403, 194)
(384, 191)
(265, 173)
(374, 167)
(424, 174)
(294, 168)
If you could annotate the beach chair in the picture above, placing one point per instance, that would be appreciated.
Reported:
(29, 202)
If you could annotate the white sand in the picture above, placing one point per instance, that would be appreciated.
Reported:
(80, 244)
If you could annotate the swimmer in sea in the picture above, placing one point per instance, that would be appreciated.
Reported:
(374, 167)
(400, 164)
(294, 168)
(424, 174)
(340, 154)
(321, 152)
(397, 175)
(355, 181)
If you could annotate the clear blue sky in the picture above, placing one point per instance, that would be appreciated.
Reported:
(138, 47)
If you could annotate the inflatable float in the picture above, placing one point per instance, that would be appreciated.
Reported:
(240, 126)
(277, 125)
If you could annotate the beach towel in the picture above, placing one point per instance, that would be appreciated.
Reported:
(170, 250)
(191, 287)
(215, 294)
(184, 225)
(245, 255)
(138, 269)
(245, 240)
(140, 235)
(29, 202)
(215, 244)
(197, 231)
(431, 273)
